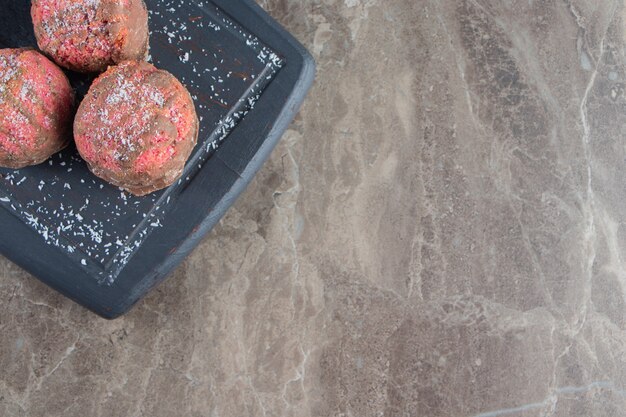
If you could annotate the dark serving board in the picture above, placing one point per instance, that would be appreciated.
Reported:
(106, 249)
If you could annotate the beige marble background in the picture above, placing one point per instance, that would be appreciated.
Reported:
(440, 233)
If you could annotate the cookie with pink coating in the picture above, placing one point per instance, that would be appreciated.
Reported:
(136, 127)
(36, 108)
(90, 35)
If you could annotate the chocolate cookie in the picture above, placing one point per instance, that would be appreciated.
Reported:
(90, 35)
(136, 127)
(36, 108)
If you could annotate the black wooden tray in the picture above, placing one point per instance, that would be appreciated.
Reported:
(106, 249)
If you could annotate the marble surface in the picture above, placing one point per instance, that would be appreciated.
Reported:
(440, 233)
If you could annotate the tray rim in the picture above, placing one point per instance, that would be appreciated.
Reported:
(140, 275)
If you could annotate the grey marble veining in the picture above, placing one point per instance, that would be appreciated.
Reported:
(440, 233)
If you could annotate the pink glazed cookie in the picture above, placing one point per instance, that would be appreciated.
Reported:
(36, 108)
(90, 35)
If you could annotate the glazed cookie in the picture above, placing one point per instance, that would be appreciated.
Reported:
(136, 127)
(36, 108)
(90, 35)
